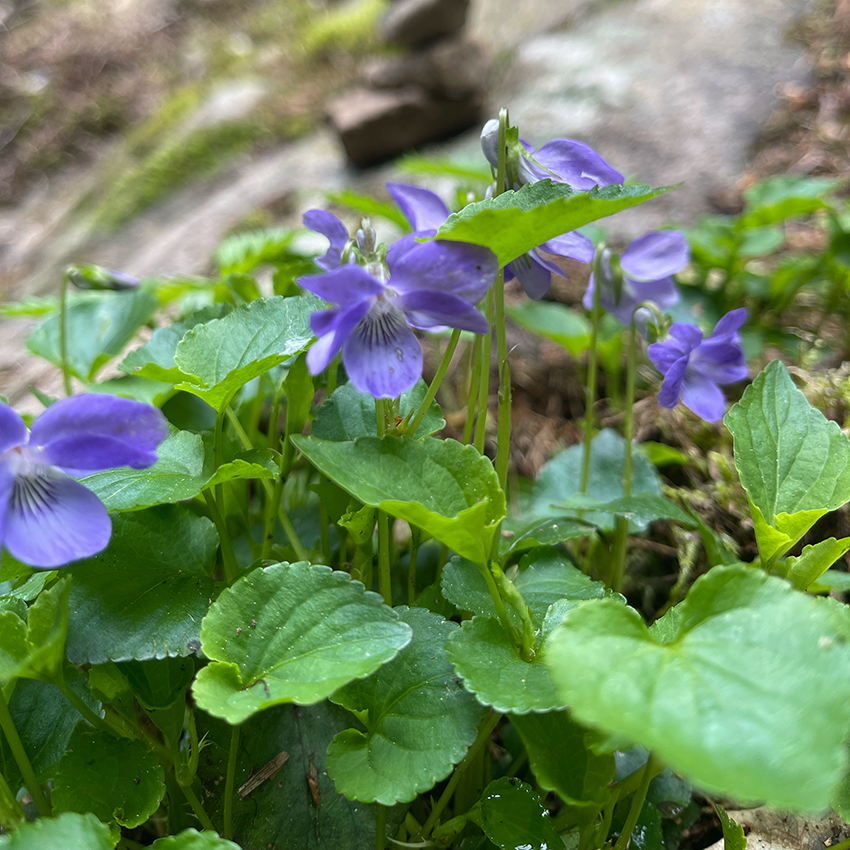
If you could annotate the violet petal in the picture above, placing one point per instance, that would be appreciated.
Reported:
(571, 162)
(13, 429)
(407, 243)
(534, 276)
(655, 255)
(573, 246)
(335, 326)
(702, 396)
(53, 520)
(731, 322)
(422, 208)
(321, 221)
(429, 310)
(345, 286)
(671, 386)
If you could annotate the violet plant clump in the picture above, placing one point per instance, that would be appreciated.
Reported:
(47, 519)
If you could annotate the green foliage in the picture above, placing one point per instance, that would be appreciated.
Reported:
(191, 839)
(747, 659)
(291, 633)
(70, 831)
(512, 816)
(569, 328)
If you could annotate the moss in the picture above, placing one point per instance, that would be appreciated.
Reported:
(352, 27)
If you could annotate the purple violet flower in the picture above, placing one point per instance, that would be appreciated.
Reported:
(563, 161)
(647, 263)
(694, 368)
(46, 518)
(427, 285)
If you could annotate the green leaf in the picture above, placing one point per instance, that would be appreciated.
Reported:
(661, 455)
(191, 839)
(69, 831)
(183, 470)
(640, 508)
(99, 326)
(45, 720)
(518, 535)
(282, 810)
(749, 659)
(733, 833)
(835, 580)
(366, 205)
(349, 414)
(547, 319)
(559, 479)
(158, 684)
(761, 241)
(446, 489)
(241, 253)
(155, 359)
(145, 596)
(114, 778)
(291, 633)
(561, 759)
(791, 459)
(515, 222)
(785, 196)
(418, 721)
(513, 817)
(492, 669)
(217, 358)
(813, 562)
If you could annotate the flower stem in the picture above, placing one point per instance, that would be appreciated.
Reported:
(592, 372)
(637, 805)
(229, 783)
(11, 813)
(474, 379)
(435, 384)
(231, 567)
(483, 736)
(621, 528)
(380, 827)
(63, 335)
(484, 380)
(22, 759)
(384, 577)
(93, 719)
(415, 540)
(197, 806)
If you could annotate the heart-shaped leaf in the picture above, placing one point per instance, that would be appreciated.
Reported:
(746, 660)
(191, 839)
(418, 721)
(513, 817)
(70, 831)
(291, 633)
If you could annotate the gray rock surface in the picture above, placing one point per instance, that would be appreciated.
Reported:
(416, 22)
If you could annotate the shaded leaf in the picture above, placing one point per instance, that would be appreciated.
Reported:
(191, 839)
(512, 816)
(550, 320)
(784, 196)
(70, 831)
(733, 833)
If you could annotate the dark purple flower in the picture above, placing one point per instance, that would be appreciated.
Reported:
(426, 212)
(46, 518)
(694, 368)
(331, 227)
(428, 285)
(647, 264)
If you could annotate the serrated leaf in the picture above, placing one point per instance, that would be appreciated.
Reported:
(560, 478)
(114, 778)
(446, 489)
(750, 658)
(518, 536)
(418, 721)
(813, 562)
(793, 462)
(191, 839)
(155, 359)
(550, 320)
(182, 472)
(146, 594)
(218, 357)
(349, 414)
(784, 196)
(733, 833)
(315, 631)
(70, 831)
(515, 222)
(640, 508)
(99, 326)
(493, 670)
(561, 759)
(513, 817)
(157, 684)
(241, 253)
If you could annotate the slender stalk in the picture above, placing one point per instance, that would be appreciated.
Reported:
(415, 541)
(63, 336)
(90, 716)
(11, 813)
(483, 736)
(384, 577)
(502, 613)
(22, 759)
(474, 380)
(380, 827)
(229, 783)
(333, 371)
(325, 532)
(621, 528)
(435, 383)
(231, 567)
(592, 371)
(198, 808)
(637, 805)
(274, 417)
(484, 380)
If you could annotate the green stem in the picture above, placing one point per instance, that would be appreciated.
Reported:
(415, 541)
(502, 613)
(842, 845)
(231, 567)
(637, 805)
(380, 827)
(484, 380)
(90, 716)
(621, 527)
(274, 417)
(384, 578)
(198, 808)
(11, 813)
(325, 532)
(474, 380)
(592, 371)
(483, 736)
(22, 759)
(229, 783)
(435, 383)
(130, 844)
(63, 335)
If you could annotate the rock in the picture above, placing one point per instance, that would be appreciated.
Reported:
(416, 22)
(453, 70)
(377, 125)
